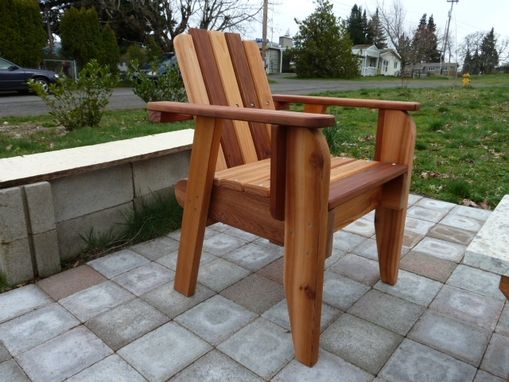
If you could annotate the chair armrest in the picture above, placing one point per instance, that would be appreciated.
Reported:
(347, 102)
(276, 117)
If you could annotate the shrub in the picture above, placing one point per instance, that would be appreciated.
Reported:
(80, 103)
(166, 87)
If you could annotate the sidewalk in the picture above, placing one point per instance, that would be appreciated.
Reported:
(118, 319)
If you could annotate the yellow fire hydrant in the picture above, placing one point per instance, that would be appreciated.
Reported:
(466, 80)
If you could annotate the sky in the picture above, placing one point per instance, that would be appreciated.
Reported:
(468, 16)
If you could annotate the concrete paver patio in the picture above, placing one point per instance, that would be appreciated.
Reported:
(119, 319)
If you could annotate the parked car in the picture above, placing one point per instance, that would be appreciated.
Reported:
(14, 77)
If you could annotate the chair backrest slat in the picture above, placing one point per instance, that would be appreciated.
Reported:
(246, 84)
(221, 69)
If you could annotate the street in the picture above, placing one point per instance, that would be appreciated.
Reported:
(12, 104)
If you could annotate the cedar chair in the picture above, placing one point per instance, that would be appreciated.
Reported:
(269, 172)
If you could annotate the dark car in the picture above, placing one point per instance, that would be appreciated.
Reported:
(14, 77)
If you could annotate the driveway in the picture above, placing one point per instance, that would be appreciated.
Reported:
(12, 104)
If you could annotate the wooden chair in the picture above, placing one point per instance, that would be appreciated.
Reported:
(269, 172)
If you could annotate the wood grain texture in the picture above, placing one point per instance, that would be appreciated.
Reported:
(193, 79)
(285, 118)
(216, 95)
(245, 81)
(233, 97)
(278, 172)
(259, 77)
(207, 138)
(306, 237)
(347, 102)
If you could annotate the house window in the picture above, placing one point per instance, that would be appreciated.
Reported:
(385, 65)
(395, 64)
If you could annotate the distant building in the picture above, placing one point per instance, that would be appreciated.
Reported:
(274, 54)
(374, 61)
(426, 69)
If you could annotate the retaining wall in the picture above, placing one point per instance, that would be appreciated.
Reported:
(48, 201)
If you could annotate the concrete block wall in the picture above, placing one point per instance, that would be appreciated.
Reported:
(43, 223)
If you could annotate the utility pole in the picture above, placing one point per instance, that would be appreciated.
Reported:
(446, 40)
(264, 30)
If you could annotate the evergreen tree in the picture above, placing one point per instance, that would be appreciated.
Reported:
(476, 63)
(22, 34)
(424, 42)
(110, 53)
(489, 54)
(467, 62)
(376, 34)
(322, 47)
(357, 25)
(81, 34)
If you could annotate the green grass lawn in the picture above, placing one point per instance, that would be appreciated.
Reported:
(462, 149)
(38, 134)
(462, 143)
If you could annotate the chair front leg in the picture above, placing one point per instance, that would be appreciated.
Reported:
(306, 237)
(204, 153)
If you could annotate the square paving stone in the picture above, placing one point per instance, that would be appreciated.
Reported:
(238, 233)
(172, 303)
(170, 261)
(255, 292)
(253, 256)
(470, 212)
(503, 323)
(221, 244)
(111, 369)
(278, 314)
(435, 204)
(65, 283)
(21, 300)
(412, 287)
(361, 227)
(411, 239)
(346, 241)
(367, 249)
(63, 356)
(329, 368)
(274, 271)
(216, 367)
(483, 376)
(118, 263)
(413, 198)
(462, 222)
(4, 353)
(431, 215)
(145, 278)
(452, 337)
(163, 352)
(95, 300)
(360, 342)
(477, 281)
(126, 322)
(261, 346)
(219, 274)
(441, 249)
(415, 362)
(11, 372)
(387, 311)
(215, 319)
(36, 327)
(448, 233)
(428, 266)
(358, 268)
(469, 307)
(336, 254)
(154, 249)
(496, 359)
(341, 292)
(209, 231)
(419, 226)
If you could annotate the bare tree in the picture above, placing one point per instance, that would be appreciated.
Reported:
(227, 14)
(393, 23)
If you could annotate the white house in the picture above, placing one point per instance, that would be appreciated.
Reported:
(374, 61)
(368, 59)
(389, 63)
